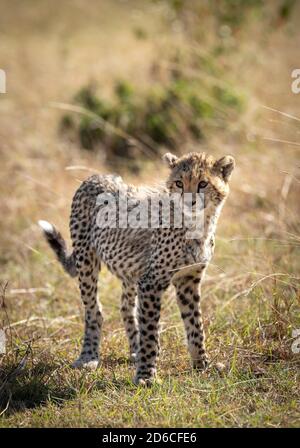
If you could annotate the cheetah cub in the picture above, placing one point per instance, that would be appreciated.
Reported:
(147, 259)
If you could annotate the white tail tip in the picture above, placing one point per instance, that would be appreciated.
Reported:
(46, 226)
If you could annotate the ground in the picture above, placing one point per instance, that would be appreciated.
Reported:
(251, 296)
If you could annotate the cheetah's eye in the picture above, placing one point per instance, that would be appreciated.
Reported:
(202, 184)
(179, 184)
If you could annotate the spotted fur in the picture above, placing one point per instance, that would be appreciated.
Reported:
(147, 261)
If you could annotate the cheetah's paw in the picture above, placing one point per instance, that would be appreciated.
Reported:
(201, 364)
(146, 378)
(205, 365)
(84, 363)
(145, 382)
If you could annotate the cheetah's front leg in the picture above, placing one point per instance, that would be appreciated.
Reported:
(150, 291)
(188, 299)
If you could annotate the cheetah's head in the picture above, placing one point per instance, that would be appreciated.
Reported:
(200, 173)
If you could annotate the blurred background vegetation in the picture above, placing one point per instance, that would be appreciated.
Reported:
(109, 85)
(190, 93)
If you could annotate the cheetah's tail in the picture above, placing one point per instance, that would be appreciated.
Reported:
(58, 245)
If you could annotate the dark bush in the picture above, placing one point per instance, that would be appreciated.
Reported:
(169, 113)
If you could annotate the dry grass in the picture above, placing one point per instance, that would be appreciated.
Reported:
(251, 297)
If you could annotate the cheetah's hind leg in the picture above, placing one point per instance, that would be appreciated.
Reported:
(128, 312)
(88, 266)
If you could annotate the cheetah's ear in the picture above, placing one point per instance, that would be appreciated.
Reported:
(225, 166)
(170, 159)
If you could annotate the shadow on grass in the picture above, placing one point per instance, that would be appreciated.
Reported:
(23, 387)
(33, 383)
